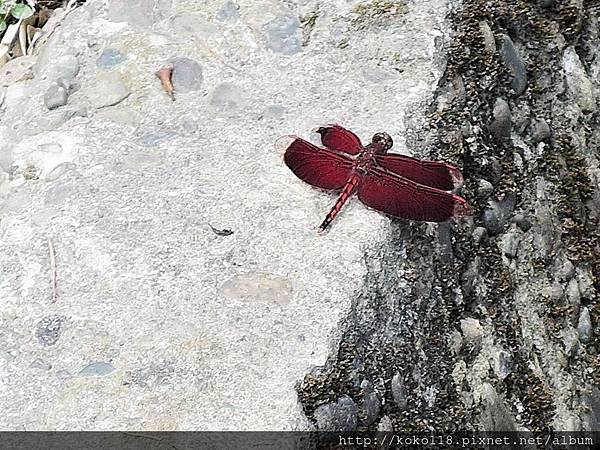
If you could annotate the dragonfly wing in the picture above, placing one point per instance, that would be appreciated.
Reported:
(406, 199)
(435, 174)
(340, 139)
(320, 167)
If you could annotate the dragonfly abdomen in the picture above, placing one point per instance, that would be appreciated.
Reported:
(349, 189)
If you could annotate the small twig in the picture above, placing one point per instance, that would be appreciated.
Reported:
(224, 232)
(52, 268)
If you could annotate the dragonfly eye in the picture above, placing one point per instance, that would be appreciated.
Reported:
(383, 138)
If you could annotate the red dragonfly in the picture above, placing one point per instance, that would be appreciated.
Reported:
(397, 185)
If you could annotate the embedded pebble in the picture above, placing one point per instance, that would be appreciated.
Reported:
(187, 75)
(55, 96)
(479, 234)
(229, 12)
(110, 57)
(471, 329)
(573, 294)
(501, 126)
(97, 369)
(108, 90)
(564, 268)
(546, 3)
(495, 217)
(556, 292)
(15, 70)
(578, 81)
(339, 416)
(399, 392)
(484, 187)
(488, 37)
(541, 131)
(570, 340)
(584, 326)
(522, 222)
(228, 98)
(502, 363)
(371, 404)
(385, 425)
(515, 64)
(510, 245)
(39, 363)
(49, 329)
(283, 35)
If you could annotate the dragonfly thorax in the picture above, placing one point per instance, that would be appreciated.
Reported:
(382, 142)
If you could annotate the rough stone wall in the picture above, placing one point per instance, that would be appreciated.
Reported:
(491, 324)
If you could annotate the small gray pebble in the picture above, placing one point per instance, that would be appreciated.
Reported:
(484, 188)
(501, 126)
(96, 369)
(110, 58)
(541, 131)
(108, 90)
(515, 64)
(339, 416)
(546, 3)
(479, 234)
(371, 404)
(510, 244)
(573, 294)
(49, 329)
(55, 96)
(399, 392)
(584, 326)
(187, 75)
(488, 37)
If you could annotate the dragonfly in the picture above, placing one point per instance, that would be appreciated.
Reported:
(397, 185)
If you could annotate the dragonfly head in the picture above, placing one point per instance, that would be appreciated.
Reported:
(384, 140)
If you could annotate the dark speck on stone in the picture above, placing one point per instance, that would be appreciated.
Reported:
(339, 416)
(110, 58)
(96, 369)
(49, 329)
(515, 64)
(501, 126)
(187, 75)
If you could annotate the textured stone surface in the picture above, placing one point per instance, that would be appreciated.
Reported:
(160, 323)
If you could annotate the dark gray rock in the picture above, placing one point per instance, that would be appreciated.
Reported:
(371, 404)
(541, 131)
(399, 392)
(515, 64)
(545, 3)
(283, 35)
(484, 188)
(522, 222)
(110, 57)
(495, 416)
(49, 329)
(501, 126)
(339, 416)
(496, 216)
(187, 75)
